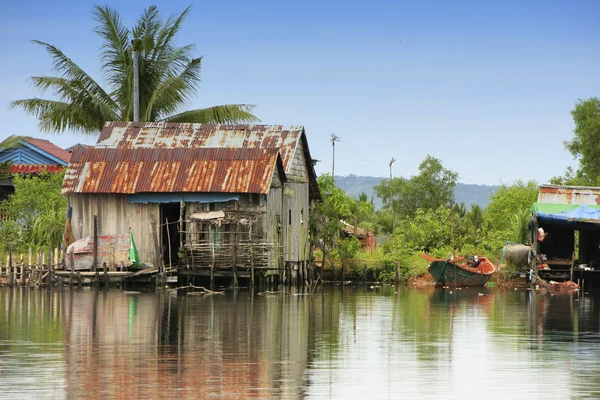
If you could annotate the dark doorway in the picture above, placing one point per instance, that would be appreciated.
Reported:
(170, 214)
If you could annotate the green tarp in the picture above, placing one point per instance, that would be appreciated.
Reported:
(134, 256)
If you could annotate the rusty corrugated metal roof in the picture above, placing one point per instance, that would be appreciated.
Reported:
(35, 168)
(164, 170)
(581, 195)
(164, 135)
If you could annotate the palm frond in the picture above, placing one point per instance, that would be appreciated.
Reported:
(225, 114)
(59, 116)
(166, 35)
(72, 72)
(174, 91)
(75, 93)
(115, 54)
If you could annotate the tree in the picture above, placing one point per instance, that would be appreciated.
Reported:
(36, 211)
(360, 208)
(336, 205)
(169, 77)
(510, 200)
(431, 188)
(585, 145)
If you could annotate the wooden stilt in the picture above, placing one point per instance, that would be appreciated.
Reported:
(50, 267)
(72, 265)
(11, 274)
(212, 264)
(235, 250)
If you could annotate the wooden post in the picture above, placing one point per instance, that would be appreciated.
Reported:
(235, 250)
(157, 256)
(95, 249)
(72, 264)
(169, 242)
(397, 272)
(105, 273)
(212, 264)
(23, 272)
(572, 265)
(252, 273)
(181, 216)
(534, 264)
(11, 275)
(50, 267)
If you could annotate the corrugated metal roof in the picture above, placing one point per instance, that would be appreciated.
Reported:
(35, 168)
(49, 148)
(163, 135)
(581, 195)
(165, 170)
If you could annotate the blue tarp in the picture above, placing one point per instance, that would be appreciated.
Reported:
(579, 214)
(178, 197)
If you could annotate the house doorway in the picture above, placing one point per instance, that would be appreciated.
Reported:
(170, 233)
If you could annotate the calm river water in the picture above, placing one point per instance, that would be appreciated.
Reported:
(358, 343)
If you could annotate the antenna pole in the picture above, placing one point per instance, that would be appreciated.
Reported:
(333, 139)
(392, 161)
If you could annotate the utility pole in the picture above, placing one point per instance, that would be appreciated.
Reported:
(333, 139)
(136, 79)
(392, 161)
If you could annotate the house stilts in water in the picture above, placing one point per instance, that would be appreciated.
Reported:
(211, 200)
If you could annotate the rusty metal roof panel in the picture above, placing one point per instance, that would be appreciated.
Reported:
(163, 135)
(581, 195)
(165, 170)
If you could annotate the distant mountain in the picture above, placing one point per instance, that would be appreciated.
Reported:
(464, 193)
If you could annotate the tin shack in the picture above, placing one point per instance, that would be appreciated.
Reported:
(213, 200)
(566, 233)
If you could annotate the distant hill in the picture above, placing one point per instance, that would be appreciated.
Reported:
(464, 193)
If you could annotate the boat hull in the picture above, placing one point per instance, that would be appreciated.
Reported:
(448, 274)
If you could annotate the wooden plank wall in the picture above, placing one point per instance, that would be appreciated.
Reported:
(116, 216)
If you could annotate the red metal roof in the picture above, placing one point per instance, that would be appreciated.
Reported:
(163, 135)
(165, 170)
(36, 168)
(49, 148)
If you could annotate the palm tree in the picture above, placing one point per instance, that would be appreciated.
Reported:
(169, 77)
(359, 208)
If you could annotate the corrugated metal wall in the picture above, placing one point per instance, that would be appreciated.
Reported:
(569, 195)
(116, 216)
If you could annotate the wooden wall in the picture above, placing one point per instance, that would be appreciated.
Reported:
(116, 216)
(296, 209)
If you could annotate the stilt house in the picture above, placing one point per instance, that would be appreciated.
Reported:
(209, 198)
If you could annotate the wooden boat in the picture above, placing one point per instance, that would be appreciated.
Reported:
(451, 273)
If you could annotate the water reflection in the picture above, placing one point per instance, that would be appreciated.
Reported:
(338, 343)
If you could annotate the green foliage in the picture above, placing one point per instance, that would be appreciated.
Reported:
(585, 145)
(326, 220)
(508, 200)
(431, 188)
(169, 79)
(348, 248)
(36, 212)
(519, 226)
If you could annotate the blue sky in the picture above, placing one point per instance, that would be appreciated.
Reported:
(485, 86)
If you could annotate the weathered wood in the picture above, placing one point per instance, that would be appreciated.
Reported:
(50, 267)
(95, 248)
(235, 251)
(157, 256)
(11, 274)
(252, 271)
(212, 264)
(72, 265)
